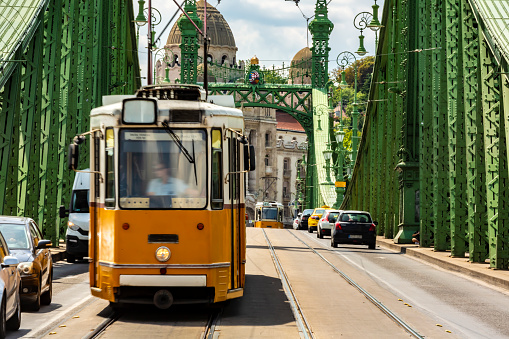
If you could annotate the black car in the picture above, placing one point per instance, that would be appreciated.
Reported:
(25, 242)
(303, 224)
(354, 227)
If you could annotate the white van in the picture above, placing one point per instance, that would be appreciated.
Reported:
(76, 237)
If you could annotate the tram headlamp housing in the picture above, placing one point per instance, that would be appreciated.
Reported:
(163, 253)
(139, 111)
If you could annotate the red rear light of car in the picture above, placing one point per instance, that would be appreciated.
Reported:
(338, 226)
(372, 228)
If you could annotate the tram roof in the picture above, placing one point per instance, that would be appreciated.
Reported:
(109, 114)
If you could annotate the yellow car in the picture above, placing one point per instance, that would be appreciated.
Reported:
(313, 219)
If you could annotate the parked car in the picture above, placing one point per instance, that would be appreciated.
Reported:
(10, 310)
(296, 222)
(326, 223)
(313, 219)
(26, 243)
(354, 227)
(303, 225)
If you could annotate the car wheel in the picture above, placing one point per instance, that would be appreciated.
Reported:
(320, 233)
(310, 230)
(46, 296)
(71, 259)
(3, 324)
(333, 243)
(36, 304)
(372, 246)
(15, 321)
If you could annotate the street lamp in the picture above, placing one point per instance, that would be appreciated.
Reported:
(319, 111)
(343, 60)
(327, 154)
(365, 20)
(152, 20)
(339, 168)
(166, 60)
(374, 22)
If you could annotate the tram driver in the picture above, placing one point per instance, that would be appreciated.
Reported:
(164, 183)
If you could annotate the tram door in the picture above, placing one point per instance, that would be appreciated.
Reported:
(235, 194)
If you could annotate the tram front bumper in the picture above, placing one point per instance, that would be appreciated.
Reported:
(163, 280)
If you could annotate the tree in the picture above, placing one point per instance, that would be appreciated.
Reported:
(273, 77)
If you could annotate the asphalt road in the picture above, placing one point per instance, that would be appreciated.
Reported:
(435, 302)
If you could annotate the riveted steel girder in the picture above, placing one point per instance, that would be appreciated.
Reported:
(47, 94)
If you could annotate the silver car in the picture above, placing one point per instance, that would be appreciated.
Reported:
(10, 283)
(326, 223)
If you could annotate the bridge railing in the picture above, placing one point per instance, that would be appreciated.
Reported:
(433, 155)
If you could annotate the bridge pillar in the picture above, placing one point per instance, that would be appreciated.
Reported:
(408, 173)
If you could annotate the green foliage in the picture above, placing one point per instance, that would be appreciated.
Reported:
(273, 77)
(346, 95)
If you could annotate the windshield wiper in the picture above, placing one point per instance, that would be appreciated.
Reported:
(182, 148)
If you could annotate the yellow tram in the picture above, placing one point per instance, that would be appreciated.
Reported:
(269, 214)
(167, 197)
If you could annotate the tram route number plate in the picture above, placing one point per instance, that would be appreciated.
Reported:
(355, 236)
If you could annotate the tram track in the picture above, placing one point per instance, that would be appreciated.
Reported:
(365, 293)
(208, 332)
(301, 321)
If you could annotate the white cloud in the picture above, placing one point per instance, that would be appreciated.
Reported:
(275, 30)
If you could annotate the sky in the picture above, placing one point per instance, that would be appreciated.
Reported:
(274, 30)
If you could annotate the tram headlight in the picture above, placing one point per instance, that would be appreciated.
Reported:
(163, 253)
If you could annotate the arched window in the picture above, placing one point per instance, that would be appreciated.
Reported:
(224, 60)
(209, 58)
(267, 163)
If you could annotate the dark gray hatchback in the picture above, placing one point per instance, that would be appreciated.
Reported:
(303, 225)
(354, 227)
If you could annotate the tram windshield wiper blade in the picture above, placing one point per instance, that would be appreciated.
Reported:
(177, 141)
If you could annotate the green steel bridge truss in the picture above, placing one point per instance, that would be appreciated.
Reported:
(59, 58)
(440, 90)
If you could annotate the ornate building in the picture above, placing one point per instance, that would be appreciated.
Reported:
(221, 51)
(279, 140)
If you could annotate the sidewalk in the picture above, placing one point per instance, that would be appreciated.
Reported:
(480, 271)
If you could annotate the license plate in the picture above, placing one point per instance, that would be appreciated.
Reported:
(355, 236)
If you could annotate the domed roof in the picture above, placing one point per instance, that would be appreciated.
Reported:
(300, 70)
(218, 29)
(303, 58)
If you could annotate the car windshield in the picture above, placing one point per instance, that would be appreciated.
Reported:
(79, 201)
(155, 173)
(15, 236)
(319, 212)
(356, 217)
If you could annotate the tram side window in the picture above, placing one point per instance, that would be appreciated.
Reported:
(109, 200)
(217, 170)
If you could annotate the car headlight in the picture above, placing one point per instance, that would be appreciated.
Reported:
(72, 226)
(163, 253)
(26, 268)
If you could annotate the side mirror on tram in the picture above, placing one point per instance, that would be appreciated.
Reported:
(73, 153)
(73, 156)
(249, 158)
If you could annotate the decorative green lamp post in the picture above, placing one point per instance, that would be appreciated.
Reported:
(343, 60)
(327, 154)
(340, 165)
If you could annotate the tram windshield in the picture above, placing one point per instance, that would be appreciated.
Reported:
(154, 173)
(269, 213)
